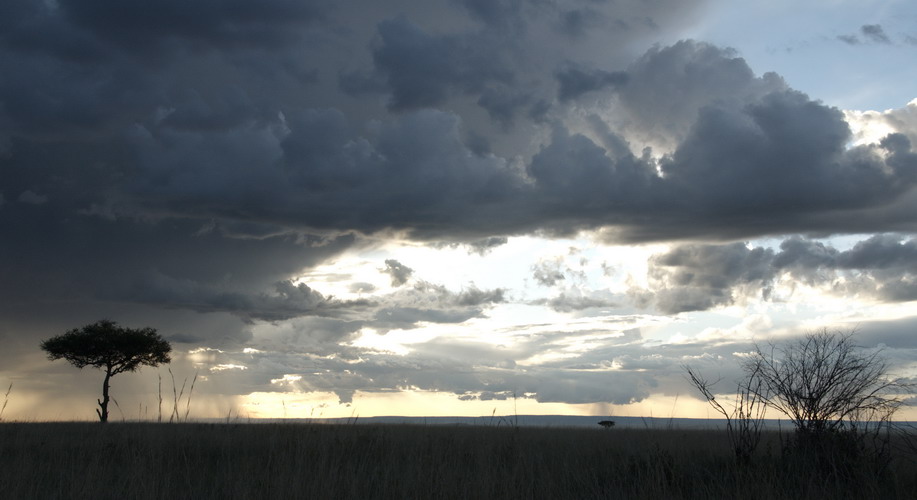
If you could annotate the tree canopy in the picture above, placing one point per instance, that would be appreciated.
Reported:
(105, 344)
(109, 347)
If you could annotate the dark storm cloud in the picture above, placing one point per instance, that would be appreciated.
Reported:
(193, 156)
(88, 256)
(483, 246)
(424, 70)
(575, 23)
(498, 14)
(137, 24)
(749, 156)
(284, 301)
(668, 86)
(350, 180)
(575, 82)
(700, 277)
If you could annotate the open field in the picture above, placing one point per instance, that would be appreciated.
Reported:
(142, 460)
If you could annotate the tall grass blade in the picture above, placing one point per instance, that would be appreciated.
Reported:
(190, 391)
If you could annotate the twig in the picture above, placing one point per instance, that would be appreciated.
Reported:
(6, 399)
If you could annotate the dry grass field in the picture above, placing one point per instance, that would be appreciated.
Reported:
(242, 461)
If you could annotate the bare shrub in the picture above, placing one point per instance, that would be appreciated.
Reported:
(744, 417)
(839, 397)
(824, 382)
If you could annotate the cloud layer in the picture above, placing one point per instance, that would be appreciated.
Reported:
(187, 165)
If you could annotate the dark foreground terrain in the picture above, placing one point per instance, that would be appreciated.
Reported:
(239, 461)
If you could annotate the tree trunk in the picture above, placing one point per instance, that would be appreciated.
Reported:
(103, 403)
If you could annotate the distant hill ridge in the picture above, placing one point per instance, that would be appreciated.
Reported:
(535, 421)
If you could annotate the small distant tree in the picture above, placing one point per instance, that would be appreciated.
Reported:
(109, 347)
(608, 424)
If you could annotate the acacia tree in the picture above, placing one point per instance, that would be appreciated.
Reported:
(109, 347)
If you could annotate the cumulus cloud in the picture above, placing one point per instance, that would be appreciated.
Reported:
(422, 70)
(667, 87)
(252, 152)
(548, 272)
(873, 126)
(431, 303)
(574, 82)
(399, 272)
(701, 276)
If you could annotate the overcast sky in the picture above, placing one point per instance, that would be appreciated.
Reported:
(450, 207)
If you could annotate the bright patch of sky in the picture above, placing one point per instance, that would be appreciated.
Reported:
(819, 46)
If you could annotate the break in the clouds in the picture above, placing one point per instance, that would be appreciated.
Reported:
(261, 181)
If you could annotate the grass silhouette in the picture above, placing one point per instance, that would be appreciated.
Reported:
(197, 460)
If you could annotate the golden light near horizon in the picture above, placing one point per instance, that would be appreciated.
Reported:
(438, 404)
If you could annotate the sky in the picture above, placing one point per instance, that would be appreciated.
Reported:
(450, 207)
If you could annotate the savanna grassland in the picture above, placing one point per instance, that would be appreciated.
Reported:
(242, 461)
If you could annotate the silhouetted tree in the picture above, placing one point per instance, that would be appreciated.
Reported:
(608, 424)
(111, 348)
